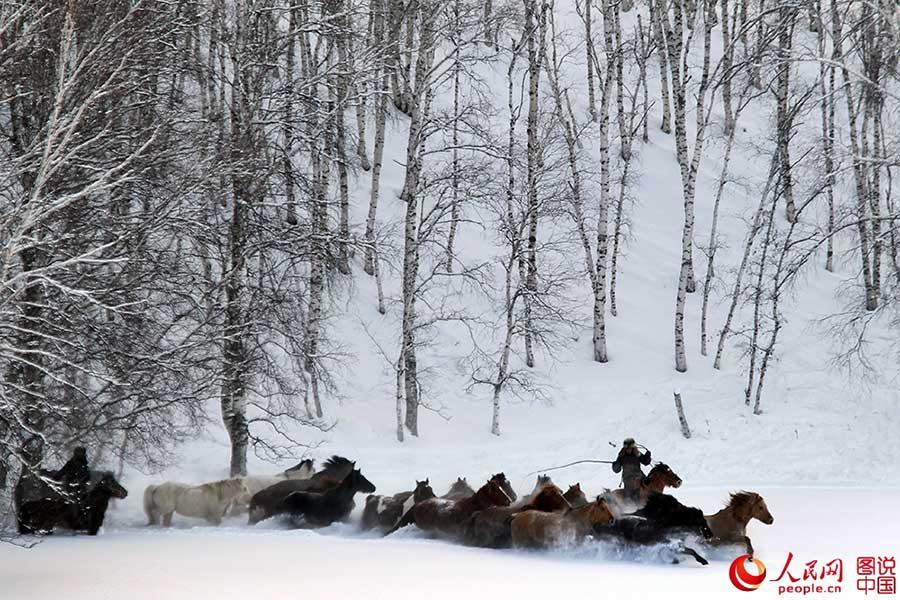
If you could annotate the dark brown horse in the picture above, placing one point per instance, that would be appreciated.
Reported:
(535, 529)
(460, 490)
(575, 496)
(445, 518)
(321, 509)
(658, 479)
(42, 516)
(383, 512)
(490, 528)
(729, 525)
(270, 501)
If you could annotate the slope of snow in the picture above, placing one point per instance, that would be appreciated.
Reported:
(237, 562)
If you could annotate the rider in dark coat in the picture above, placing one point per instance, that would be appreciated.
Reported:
(75, 475)
(629, 464)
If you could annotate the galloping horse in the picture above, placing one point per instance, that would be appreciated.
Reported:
(729, 525)
(383, 512)
(320, 509)
(535, 529)
(490, 528)
(658, 479)
(269, 502)
(446, 517)
(207, 501)
(662, 518)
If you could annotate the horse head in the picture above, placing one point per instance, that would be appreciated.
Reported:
(549, 499)
(110, 485)
(575, 496)
(661, 477)
(358, 482)
(599, 513)
(501, 480)
(423, 491)
(493, 494)
(301, 470)
(750, 505)
(542, 481)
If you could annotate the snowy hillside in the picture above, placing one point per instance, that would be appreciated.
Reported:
(254, 313)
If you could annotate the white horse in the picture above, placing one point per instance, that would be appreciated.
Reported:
(206, 501)
(257, 483)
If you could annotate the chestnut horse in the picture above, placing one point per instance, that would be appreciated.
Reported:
(729, 525)
(535, 529)
(490, 528)
(658, 479)
(446, 517)
(383, 512)
(575, 496)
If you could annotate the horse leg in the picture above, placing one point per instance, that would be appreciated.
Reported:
(167, 519)
(692, 552)
(749, 545)
(214, 515)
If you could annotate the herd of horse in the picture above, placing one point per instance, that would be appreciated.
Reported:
(491, 516)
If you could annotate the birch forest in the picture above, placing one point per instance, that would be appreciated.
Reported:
(197, 222)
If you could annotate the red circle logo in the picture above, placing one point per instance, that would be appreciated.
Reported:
(743, 579)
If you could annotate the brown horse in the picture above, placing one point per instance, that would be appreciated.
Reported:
(535, 529)
(383, 512)
(575, 496)
(501, 480)
(460, 490)
(446, 517)
(658, 479)
(490, 528)
(729, 525)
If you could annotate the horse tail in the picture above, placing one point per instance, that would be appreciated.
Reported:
(148, 504)
(406, 519)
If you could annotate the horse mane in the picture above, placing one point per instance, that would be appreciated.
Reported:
(336, 462)
(740, 502)
(658, 467)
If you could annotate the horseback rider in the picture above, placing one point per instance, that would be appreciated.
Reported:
(74, 477)
(629, 462)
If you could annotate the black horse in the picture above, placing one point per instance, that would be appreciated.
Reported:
(661, 519)
(320, 509)
(45, 514)
(270, 501)
(70, 482)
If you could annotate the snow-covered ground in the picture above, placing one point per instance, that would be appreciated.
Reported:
(132, 562)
